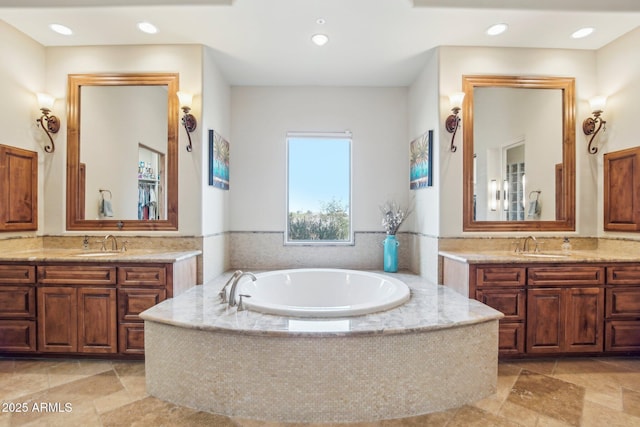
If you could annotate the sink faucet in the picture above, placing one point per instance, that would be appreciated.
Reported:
(525, 245)
(223, 292)
(232, 292)
(114, 242)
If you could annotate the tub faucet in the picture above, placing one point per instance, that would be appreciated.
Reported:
(232, 293)
(223, 292)
(114, 242)
(525, 245)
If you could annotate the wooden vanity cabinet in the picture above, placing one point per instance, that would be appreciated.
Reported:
(17, 308)
(88, 308)
(622, 312)
(77, 309)
(565, 309)
(503, 288)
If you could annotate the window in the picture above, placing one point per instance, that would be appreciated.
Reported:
(318, 188)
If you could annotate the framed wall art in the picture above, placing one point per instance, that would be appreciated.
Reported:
(421, 161)
(218, 160)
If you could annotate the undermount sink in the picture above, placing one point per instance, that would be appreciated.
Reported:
(97, 254)
(538, 255)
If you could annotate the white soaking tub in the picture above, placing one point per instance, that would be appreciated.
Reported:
(322, 292)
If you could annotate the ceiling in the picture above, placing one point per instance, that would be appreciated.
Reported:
(372, 42)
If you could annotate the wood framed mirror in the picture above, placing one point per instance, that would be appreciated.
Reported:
(518, 153)
(122, 151)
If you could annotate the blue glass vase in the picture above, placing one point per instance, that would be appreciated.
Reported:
(391, 253)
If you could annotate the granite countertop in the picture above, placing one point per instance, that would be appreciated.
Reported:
(431, 307)
(574, 256)
(93, 256)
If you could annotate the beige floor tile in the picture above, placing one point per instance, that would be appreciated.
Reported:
(595, 415)
(521, 415)
(540, 366)
(549, 396)
(21, 383)
(468, 416)
(113, 401)
(631, 402)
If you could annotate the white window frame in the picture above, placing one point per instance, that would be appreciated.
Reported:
(320, 135)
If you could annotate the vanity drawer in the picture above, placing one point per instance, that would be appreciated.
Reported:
(622, 335)
(142, 276)
(132, 302)
(622, 302)
(131, 338)
(17, 274)
(500, 276)
(17, 301)
(566, 276)
(623, 275)
(76, 274)
(510, 302)
(18, 335)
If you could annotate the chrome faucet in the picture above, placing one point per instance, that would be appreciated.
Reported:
(525, 245)
(223, 292)
(232, 293)
(114, 242)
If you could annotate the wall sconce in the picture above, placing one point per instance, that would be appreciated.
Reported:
(49, 123)
(188, 120)
(589, 125)
(505, 195)
(453, 121)
(494, 195)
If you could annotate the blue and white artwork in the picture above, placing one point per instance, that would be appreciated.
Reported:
(218, 161)
(421, 161)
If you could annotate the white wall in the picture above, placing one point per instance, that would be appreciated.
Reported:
(458, 61)
(216, 115)
(21, 76)
(618, 75)
(261, 118)
(183, 59)
(424, 107)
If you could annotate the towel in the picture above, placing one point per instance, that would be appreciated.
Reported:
(105, 208)
(534, 209)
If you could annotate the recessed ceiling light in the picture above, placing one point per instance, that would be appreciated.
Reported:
(147, 27)
(320, 21)
(496, 29)
(320, 39)
(61, 29)
(582, 32)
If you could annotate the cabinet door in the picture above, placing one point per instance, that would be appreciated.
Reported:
(57, 319)
(97, 324)
(622, 190)
(18, 189)
(584, 319)
(545, 322)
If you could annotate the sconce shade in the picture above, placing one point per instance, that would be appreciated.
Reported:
(455, 99)
(598, 103)
(186, 99)
(45, 101)
(494, 195)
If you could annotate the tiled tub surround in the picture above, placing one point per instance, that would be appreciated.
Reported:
(437, 351)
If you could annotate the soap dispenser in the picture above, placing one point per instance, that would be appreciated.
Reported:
(566, 245)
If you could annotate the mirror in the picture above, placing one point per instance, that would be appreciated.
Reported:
(122, 152)
(519, 153)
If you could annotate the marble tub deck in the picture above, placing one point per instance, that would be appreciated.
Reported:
(436, 352)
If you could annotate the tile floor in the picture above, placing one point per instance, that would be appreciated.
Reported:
(551, 393)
